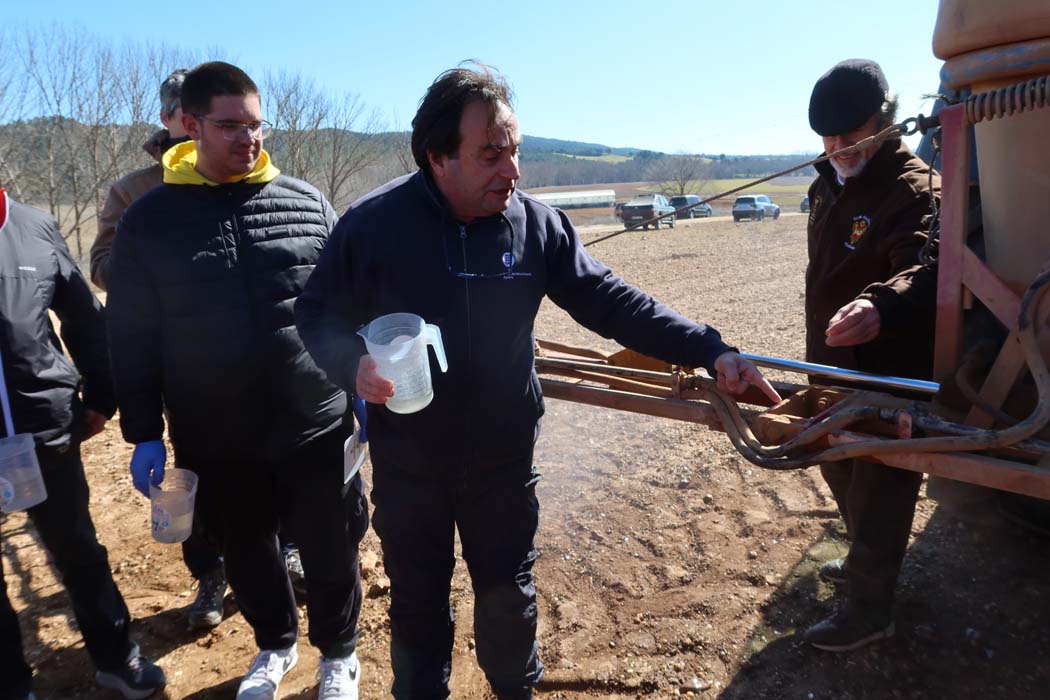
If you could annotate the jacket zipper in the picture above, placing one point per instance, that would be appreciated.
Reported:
(470, 352)
(466, 283)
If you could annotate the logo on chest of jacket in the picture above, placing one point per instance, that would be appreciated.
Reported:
(861, 224)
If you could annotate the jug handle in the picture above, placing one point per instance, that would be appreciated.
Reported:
(433, 336)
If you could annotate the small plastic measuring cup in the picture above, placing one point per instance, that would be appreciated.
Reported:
(171, 506)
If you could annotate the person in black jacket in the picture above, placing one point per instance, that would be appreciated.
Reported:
(204, 274)
(457, 244)
(38, 274)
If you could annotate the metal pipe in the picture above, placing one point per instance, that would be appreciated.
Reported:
(917, 385)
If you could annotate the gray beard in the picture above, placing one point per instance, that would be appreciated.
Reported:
(852, 171)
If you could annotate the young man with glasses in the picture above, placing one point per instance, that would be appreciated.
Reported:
(200, 552)
(459, 245)
(203, 278)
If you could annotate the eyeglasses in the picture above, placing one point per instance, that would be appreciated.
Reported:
(231, 130)
(508, 260)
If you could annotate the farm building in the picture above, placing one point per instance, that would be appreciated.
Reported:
(578, 199)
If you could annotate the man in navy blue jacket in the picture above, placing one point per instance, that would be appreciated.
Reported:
(457, 244)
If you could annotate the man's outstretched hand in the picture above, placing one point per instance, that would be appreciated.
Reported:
(735, 375)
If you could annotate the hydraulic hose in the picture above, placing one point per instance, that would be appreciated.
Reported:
(768, 457)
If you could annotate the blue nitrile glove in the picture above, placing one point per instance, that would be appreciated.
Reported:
(361, 413)
(147, 465)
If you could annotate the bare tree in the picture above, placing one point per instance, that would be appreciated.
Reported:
(346, 146)
(13, 100)
(324, 139)
(296, 108)
(75, 109)
(680, 174)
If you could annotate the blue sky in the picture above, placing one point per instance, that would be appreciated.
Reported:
(670, 76)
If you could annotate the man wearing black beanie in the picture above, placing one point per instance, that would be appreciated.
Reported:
(865, 231)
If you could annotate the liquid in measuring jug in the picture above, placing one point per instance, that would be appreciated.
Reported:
(398, 343)
(410, 373)
(169, 528)
(171, 506)
(21, 482)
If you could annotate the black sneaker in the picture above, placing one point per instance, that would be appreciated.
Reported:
(296, 574)
(848, 629)
(834, 570)
(137, 679)
(206, 611)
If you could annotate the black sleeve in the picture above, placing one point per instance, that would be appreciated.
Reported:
(83, 330)
(325, 312)
(134, 315)
(601, 301)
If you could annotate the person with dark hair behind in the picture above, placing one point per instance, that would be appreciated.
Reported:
(137, 183)
(459, 245)
(204, 275)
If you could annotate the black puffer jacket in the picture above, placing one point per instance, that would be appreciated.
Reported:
(203, 280)
(37, 274)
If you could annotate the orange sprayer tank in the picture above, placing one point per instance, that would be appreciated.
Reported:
(987, 45)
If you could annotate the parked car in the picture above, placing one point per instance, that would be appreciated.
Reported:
(804, 207)
(684, 200)
(647, 206)
(755, 206)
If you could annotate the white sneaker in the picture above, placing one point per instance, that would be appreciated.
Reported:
(266, 672)
(340, 678)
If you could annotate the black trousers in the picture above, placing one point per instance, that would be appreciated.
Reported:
(878, 504)
(243, 503)
(68, 534)
(201, 553)
(497, 516)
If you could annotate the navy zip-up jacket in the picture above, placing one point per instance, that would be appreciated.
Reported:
(399, 249)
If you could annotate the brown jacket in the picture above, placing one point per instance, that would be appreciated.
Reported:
(121, 194)
(864, 240)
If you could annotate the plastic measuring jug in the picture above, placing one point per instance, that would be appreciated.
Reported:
(171, 506)
(398, 342)
(21, 483)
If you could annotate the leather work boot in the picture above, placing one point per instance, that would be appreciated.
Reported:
(834, 570)
(850, 629)
(206, 610)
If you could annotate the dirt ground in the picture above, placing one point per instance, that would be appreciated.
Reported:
(669, 566)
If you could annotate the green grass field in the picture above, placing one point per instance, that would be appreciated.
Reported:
(607, 158)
